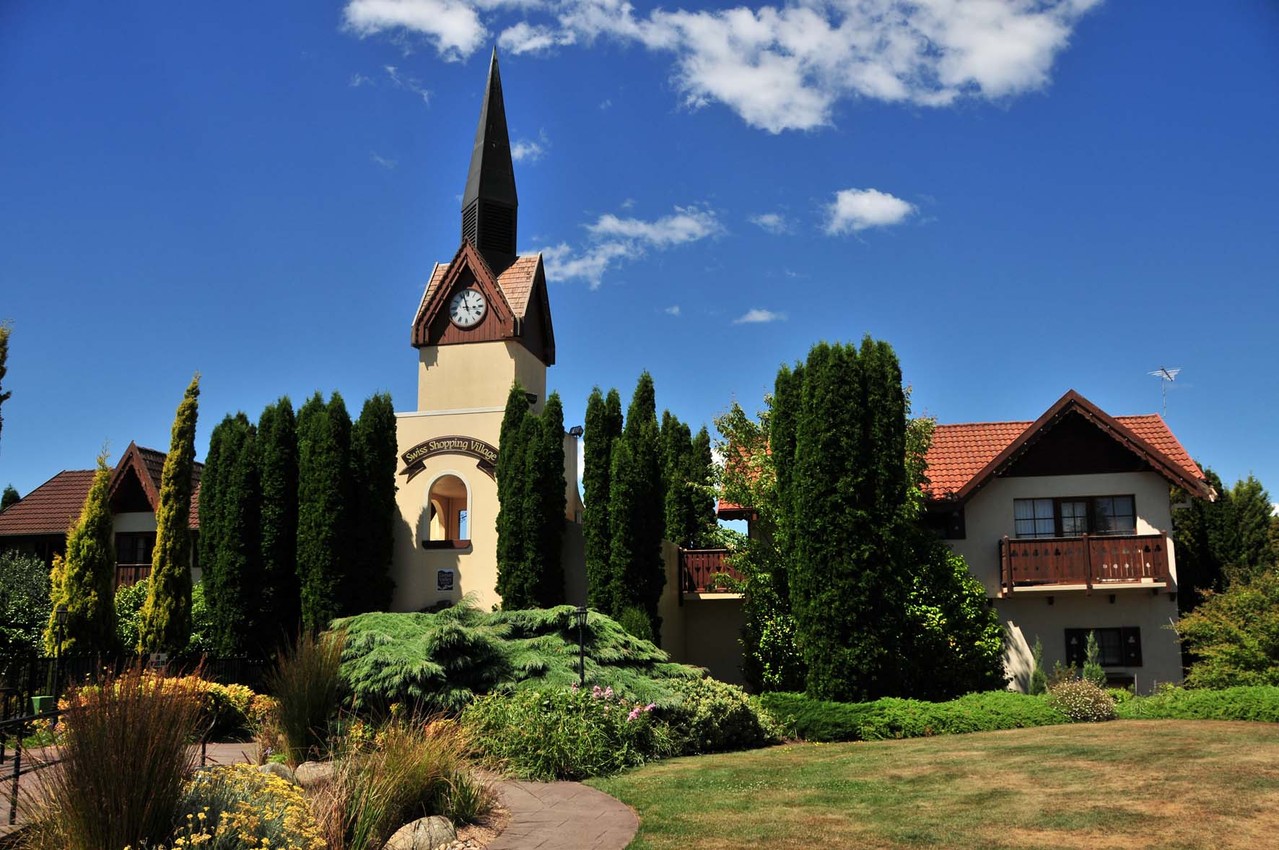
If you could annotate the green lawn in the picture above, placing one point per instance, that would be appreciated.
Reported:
(1171, 784)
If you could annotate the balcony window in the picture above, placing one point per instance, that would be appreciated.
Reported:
(1074, 516)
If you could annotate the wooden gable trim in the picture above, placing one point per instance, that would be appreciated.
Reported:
(132, 460)
(466, 258)
(541, 298)
(1073, 402)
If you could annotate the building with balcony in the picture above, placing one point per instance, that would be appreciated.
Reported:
(38, 522)
(1067, 521)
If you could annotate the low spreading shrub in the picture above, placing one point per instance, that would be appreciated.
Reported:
(565, 733)
(1257, 702)
(440, 662)
(238, 807)
(227, 712)
(1082, 701)
(712, 717)
(819, 720)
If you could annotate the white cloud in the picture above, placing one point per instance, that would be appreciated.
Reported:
(771, 222)
(407, 83)
(758, 316)
(388, 164)
(614, 240)
(858, 209)
(779, 67)
(527, 150)
(527, 38)
(358, 80)
(672, 310)
(1275, 505)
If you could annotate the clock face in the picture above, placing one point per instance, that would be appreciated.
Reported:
(467, 308)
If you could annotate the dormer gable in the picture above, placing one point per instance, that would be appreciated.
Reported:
(133, 490)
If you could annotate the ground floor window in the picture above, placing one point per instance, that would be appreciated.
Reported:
(1119, 647)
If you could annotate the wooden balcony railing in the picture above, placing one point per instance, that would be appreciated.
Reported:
(707, 571)
(127, 575)
(1086, 560)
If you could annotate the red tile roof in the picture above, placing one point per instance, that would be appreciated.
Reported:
(50, 508)
(516, 282)
(53, 506)
(959, 453)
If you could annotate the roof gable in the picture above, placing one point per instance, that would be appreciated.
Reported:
(964, 458)
(519, 306)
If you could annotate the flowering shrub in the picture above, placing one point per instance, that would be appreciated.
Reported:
(713, 716)
(232, 711)
(1082, 701)
(238, 807)
(554, 733)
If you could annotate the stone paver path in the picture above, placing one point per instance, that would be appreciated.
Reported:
(563, 816)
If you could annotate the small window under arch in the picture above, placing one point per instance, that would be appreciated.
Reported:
(450, 521)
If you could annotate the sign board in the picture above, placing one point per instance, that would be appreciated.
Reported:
(454, 444)
(444, 580)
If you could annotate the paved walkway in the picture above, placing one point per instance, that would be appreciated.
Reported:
(544, 815)
(563, 816)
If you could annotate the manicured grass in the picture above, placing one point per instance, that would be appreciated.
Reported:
(1173, 785)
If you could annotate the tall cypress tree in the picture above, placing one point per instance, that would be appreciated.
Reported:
(84, 579)
(324, 435)
(847, 583)
(603, 427)
(232, 566)
(635, 508)
(279, 602)
(513, 495)
(373, 451)
(548, 503)
(1253, 553)
(702, 482)
(164, 624)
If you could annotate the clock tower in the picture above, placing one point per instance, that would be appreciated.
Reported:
(483, 323)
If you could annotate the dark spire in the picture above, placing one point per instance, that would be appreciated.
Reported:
(489, 202)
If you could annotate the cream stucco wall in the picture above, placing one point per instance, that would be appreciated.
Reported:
(133, 523)
(476, 376)
(1045, 613)
(988, 516)
(702, 629)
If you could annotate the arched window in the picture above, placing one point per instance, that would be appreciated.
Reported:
(449, 499)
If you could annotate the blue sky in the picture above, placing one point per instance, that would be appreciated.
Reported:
(1022, 197)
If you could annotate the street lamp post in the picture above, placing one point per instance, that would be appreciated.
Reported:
(60, 617)
(579, 614)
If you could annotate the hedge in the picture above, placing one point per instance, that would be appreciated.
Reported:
(1254, 702)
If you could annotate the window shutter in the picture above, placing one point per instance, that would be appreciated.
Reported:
(1076, 641)
(1131, 641)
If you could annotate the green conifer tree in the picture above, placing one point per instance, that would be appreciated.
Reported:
(548, 502)
(84, 579)
(232, 568)
(702, 482)
(603, 428)
(279, 605)
(164, 624)
(848, 485)
(324, 440)
(10, 497)
(373, 456)
(513, 490)
(1253, 553)
(636, 516)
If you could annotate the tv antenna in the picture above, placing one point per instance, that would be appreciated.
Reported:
(1166, 376)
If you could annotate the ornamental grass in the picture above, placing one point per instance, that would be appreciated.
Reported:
(122, 761)
(307, 684)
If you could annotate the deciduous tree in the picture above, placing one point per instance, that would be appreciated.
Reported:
(164, 625)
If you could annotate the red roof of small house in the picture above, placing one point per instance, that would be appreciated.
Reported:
(962, 458)
(52, 507)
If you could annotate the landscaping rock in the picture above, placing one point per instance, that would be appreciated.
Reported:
(312, 773)
(281, 770)
(424, 834)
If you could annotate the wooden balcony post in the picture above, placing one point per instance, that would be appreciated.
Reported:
(1006, 564)
(1088, 563)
